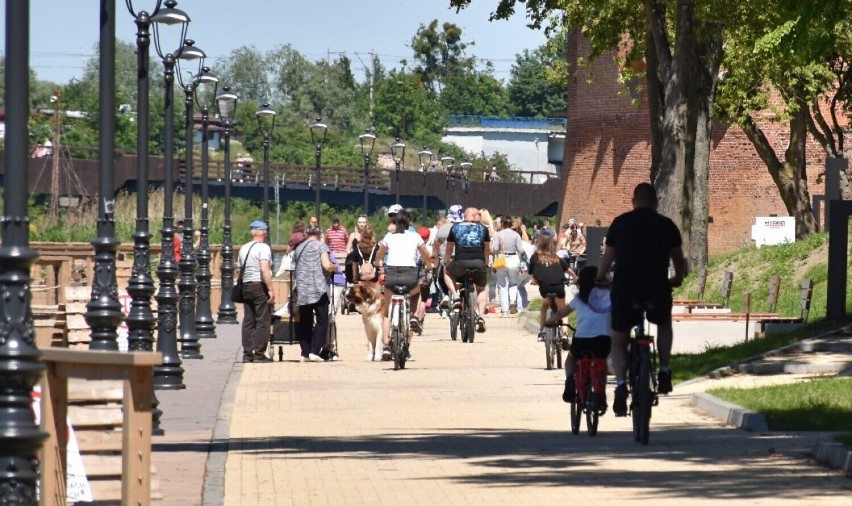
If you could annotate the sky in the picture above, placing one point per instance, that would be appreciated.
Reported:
(64, 33)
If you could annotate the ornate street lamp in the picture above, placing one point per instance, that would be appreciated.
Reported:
(447, 163)
(319, 134)
(20, 368)
(368, 142)
(103, 311)
(168, 375)
(398, 154)
(227, 105)
(265, 123)
(140, 321)
(426, 157)
(204, 326)
(190, 347)
(465, 175)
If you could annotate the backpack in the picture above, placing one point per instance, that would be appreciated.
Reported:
(367, 271)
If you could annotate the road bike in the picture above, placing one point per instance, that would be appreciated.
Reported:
(464, 317)
(399, 314)
(642, 377)
(590, 392)
(329, 351)
(553, 337)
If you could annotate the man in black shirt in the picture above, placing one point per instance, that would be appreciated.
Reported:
(468, 247)
(641, 242)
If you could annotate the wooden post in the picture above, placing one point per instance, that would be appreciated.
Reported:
(747, 310)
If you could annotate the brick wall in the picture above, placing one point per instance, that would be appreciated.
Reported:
(608, 152)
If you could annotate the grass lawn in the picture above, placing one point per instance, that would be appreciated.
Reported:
(693, 365)
(819, 404)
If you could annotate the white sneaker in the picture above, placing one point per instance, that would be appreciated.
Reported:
(445, 302)
(315, 358)
(303, 359)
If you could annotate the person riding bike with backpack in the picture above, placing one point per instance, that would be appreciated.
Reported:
(641, 242)
(468, 247)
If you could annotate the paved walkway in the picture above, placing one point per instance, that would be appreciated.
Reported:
(477, 423)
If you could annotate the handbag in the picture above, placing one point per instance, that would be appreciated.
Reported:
(500, 260)
(237, 290)
(367, 271)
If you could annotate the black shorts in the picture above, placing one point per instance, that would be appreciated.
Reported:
(597, 347)
(456, 269)
(400, 276)
(625, 316)
(546, 290)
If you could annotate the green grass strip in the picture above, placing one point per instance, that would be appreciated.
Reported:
(817, 405)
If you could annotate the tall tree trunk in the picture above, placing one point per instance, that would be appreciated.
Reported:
(655, 104)
(708, 60)
(678, 140)
(790, 176)
(831, 139)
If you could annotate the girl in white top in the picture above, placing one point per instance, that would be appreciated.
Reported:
(594, 326)
(400, 268)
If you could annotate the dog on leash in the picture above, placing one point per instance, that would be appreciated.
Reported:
(369, 301)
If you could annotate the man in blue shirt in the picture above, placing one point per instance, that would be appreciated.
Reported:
(468, 247)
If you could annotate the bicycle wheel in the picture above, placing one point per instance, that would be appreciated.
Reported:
(395, 337)
(576, 414)
(454, 325)
(591, 409)
(471, 315)
(331, 339)
(642, 396)
(461, 314)
(402, 352)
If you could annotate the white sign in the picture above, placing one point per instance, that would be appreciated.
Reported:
(76, 483)
(773, 230)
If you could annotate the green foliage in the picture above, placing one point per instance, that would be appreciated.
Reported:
(530, 91)
(818, 404)
(440, 55)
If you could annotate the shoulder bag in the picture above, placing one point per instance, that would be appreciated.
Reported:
(500, 260)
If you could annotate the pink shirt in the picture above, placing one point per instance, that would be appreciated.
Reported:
(336, 239)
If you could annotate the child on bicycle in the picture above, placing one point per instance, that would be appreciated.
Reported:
(592, 337)
(548, 271)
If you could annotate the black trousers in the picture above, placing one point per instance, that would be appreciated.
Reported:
(257, 319)
(312, 337)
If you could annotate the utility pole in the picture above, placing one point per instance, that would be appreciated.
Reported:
(54, 176)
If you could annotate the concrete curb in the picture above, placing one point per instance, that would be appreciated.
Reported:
(834, 455)
(729, 413)
(213, 493)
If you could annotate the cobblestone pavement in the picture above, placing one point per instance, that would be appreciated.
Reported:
(483, 423)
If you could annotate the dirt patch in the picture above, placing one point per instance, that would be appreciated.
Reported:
(817, 257)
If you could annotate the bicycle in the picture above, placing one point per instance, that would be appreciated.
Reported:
(642, 377)
(590, 392)
(399, 314)
(329, 350)
(553, 338)
(464, 317)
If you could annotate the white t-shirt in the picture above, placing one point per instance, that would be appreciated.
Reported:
(594, 318)
(402, 248)
(260, 251)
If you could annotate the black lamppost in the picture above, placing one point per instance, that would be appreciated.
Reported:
(227, 105)
(190, 347)
(20, 368)
(319, 134)
(266, 123)
(368, 142)
(426, 158)
(168, 375)
(465, 176)
(204, 326)
(140, 320)
(398, 154)
(103, 311)
(447, 163)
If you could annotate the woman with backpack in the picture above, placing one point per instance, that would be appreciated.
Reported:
(361, 261)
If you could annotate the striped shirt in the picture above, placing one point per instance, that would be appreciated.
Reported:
(336, 239)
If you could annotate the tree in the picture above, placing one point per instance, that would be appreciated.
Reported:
(439, 53)
(404, 108)
(475, 93)
(245, 72)
(530, 91)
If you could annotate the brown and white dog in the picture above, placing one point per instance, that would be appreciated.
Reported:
(369, 301)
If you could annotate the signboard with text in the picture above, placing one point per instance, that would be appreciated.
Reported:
(773, 230)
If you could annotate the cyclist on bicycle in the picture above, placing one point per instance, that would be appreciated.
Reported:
(455, 214)
(593, 307)
(548, 271)
(468, 247)
(400, 268)
(641, 242)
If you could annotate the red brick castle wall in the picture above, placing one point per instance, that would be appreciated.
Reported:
(608, 152)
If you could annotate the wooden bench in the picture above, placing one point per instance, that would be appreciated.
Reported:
(134, 370)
